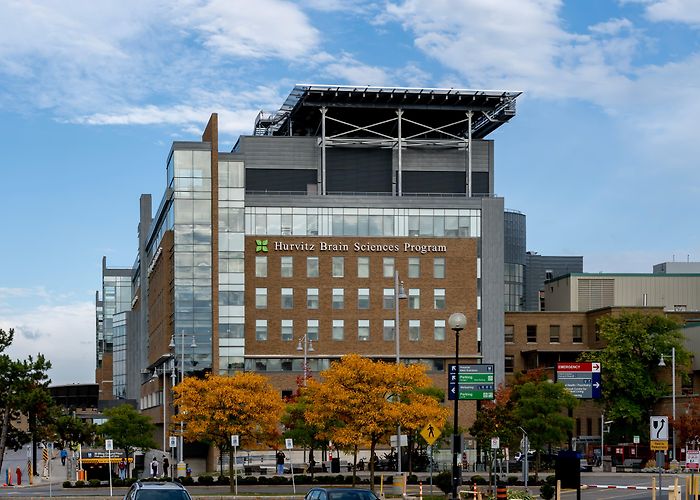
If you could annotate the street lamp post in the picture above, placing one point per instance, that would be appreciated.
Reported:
(305, 344)
(399, 294)
(673, 396)
(457, 322)
(165, 406)
(181, 467)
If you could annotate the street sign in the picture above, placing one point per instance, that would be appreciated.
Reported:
(289, 443)
(473, 382)
(692, 459)
(234, 440)
(581, 379)
(658, 445)
(635, 439)
(109, 444)
(172, 441)
(392, 440)
(658, 428)
(430, 433)
(495, 443)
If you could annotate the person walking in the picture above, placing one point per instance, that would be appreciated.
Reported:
(121, 466)
(63, 454)
(154, 467)
(166, 465)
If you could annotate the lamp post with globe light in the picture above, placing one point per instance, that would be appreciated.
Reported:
(457, 322)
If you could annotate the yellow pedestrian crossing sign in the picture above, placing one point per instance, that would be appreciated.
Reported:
(430, 433)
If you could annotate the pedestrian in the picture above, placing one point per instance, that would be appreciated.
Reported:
(154, 467)
(63, 454)
(166, 465)
(122, 469)
(280, 461)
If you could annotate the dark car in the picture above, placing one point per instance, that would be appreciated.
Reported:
(340, 494)
(142, 490)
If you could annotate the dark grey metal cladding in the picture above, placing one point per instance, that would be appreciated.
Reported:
(269, 152)
(515, 237)
(358, 170)
(536, 267)
(360, 201)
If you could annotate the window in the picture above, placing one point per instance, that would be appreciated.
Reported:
(414, 267)
(388, 302)
(363, 267)
(338, 267)
(553, 334)
(286, 266)
(261, 298)
(287, 301)
(312, 298)
(261, 266)
(230, 298)
(414, 329)
(338, 332)
(439, 298)
(439, 329)
(338, 298)
(312, 267)
(388, 267)
(509, 334)
(287, 329)
(531, 333)
(362, 329)
(439, 267)
(312, 329)
(388, 329)
(260, 329)
(363, 298)
(577, 334)
(548, 275)
(509, 364)
(414, 298)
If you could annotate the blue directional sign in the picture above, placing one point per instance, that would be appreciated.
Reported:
(473, 382)
(581, 379)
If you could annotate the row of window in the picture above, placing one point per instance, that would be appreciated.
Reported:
(338, 330)
(320, 364)
(338, 298)
(338, 267)
(554, 334)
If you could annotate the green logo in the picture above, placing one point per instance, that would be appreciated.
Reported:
(261, 245)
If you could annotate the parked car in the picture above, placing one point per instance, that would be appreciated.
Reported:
(142, 490)
(340, 494)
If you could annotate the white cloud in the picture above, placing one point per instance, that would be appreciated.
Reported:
(346, 70)
(64, 334)
(681, 11)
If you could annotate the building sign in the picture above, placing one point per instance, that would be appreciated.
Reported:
(581, 379)
(692, 459)
(474, 382)
(356, 246)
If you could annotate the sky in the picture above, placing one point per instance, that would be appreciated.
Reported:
(601, 157)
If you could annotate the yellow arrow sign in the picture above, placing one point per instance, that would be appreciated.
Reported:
(430, 433)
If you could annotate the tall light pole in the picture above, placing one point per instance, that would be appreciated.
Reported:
(305, 344)
(673, 396)
(399, 294)
(181, 467)
(457, 322)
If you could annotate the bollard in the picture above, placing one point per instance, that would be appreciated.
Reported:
(501, 492)
(653, 488)
(420, 490)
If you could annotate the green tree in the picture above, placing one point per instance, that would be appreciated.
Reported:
(128, 429)
(630, 375)
(72, 430)
(23, 390)
(541, 407)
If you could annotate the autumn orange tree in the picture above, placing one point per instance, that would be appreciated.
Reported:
(216, 407)
(366, 400)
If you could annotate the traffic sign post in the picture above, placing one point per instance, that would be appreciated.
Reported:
(473, 382)
(581, 379)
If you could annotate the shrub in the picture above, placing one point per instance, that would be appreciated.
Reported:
(129, 481)
(79, 483)
(512, 480)
(444, 481)
(205, 480)
(478, 479)
(248, 480)
(547, 491)
(67, 484)
(224, 480)
(280, 480)
(94, 483)
(412, 479)
(520, 495)
(551, 480)
(187, 480)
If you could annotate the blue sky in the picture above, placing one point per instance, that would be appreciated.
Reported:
(602, 156)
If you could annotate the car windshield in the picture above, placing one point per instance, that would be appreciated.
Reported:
(351, 495)
(148, 494)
